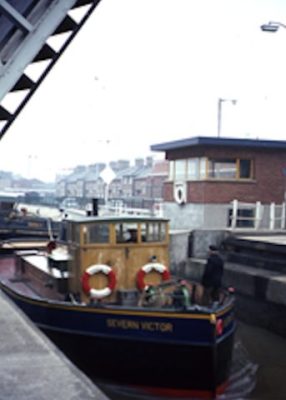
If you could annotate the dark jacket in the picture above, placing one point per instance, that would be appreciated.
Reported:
(213, 272)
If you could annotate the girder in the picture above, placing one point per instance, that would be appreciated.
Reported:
(25, 27)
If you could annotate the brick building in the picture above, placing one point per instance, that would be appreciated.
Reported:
(206, 174)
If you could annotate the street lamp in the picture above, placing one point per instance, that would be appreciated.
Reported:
(219, 109)
(272, 26)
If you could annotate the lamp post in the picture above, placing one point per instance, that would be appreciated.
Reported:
(219, 113)
(272, 26)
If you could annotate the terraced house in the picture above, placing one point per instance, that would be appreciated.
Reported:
(138, 185)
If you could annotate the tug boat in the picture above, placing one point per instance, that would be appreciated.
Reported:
(106, 297)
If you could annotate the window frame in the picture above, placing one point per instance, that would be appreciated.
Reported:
(203, 169)
(237, 175)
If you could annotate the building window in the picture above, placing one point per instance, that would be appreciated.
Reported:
(180, 170)
(200, 168)
(203, 168)
(222, 169)
(229, 169)
(193, 171)
(171, 170)
(245, 169)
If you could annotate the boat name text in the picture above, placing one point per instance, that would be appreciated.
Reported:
(140, 325)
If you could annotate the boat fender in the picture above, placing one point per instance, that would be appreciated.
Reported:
(98, 293)
(146, 269)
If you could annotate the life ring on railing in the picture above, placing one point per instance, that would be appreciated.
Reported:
(98, 293)
(146, 269)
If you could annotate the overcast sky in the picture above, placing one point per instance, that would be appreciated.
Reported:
(143, 72)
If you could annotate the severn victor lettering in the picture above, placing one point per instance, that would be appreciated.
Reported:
(153, 326)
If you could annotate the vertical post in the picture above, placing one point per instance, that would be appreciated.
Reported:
(106, 193)
(219, 112)
(160, 211)
(219, 117)
(214, 357)
(283, 215)
(257, 215)
(234, 214)
(272, 216)
(94, 206)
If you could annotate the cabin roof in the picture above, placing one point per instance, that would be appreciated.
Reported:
(220, 141)
(114, 219)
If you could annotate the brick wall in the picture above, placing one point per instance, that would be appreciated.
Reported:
(267, 186)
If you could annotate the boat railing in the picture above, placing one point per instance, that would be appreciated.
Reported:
(122, 210)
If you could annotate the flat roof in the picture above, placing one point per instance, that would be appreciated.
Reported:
(219, 141)
(115, 219)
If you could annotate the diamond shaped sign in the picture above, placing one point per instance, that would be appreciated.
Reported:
(107, 175)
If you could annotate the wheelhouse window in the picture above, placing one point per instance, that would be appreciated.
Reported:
(144, 232)
(153, 232)
(96, 233)
(126, 233)
(72, 232)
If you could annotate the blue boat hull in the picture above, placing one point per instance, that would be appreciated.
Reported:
(150, 365)
(171, 352)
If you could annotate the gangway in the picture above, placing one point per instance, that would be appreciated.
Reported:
(26, 31)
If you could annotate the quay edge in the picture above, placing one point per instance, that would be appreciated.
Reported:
(32, 367)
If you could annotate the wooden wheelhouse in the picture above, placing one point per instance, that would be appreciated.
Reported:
(124, 245)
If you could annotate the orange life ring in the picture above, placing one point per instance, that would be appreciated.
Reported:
(98, 293)
(148, 268)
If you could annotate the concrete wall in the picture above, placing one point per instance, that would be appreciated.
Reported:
(202, 239)
(188, 216)
(186, 243)
(207, 216)
(179, 243)
(197, 216)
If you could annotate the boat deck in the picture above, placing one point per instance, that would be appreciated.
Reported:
(36, 286)
(11, 279)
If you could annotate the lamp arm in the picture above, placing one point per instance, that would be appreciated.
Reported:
(278, 24)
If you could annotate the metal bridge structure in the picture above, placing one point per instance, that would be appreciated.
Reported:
(28, 29)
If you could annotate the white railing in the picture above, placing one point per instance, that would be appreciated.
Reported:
(237, 214)
(277, 215)
(121, 210)
(239, 219)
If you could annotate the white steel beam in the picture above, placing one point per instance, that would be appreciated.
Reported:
(11, 70)
(15, 16)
